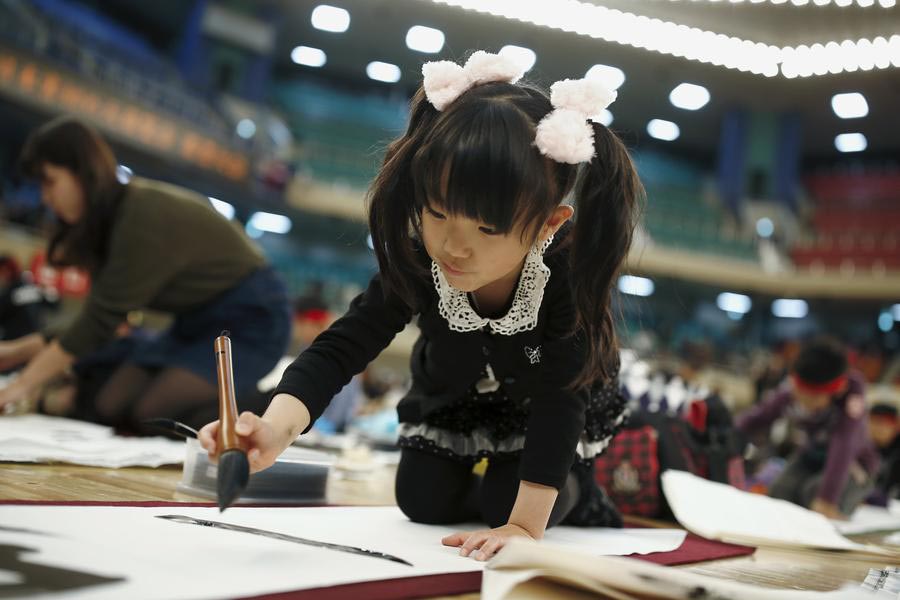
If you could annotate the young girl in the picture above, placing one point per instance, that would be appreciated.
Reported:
(150, 245)
(517, 357)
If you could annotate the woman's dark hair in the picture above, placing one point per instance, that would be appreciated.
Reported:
(821, 360)
(73, 145)
(477, 158)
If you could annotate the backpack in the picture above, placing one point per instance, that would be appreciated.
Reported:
(700, 439)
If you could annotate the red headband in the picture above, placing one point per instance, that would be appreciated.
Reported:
(885, 417)
(317, 315)
(829, 387)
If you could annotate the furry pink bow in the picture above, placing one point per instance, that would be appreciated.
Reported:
(565, 134)
(445, 80)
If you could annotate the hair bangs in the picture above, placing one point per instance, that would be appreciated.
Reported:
(480, 162)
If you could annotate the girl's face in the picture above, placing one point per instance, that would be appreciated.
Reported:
(62, 193)
(472, 254)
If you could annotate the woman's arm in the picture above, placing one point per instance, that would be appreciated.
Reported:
(19, 351)
(47, 364)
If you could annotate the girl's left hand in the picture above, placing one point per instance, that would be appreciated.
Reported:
(485, 542)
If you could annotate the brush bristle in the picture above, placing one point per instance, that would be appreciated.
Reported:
(232, 477)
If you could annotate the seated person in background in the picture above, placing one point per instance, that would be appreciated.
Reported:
(146, 245)
(885, 429)
(834, 470)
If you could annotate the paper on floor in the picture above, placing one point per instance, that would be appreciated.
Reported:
(40, 438)
(126, 552)
(722, 512)
(866, 519)
(526, 570)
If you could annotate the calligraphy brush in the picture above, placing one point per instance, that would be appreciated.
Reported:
(234, 468)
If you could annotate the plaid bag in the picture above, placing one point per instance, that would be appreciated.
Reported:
(629, 471)
(703, 442)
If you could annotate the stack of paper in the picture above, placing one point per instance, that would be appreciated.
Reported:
(722, 512)
(40, 438)
(866, 519)
(527, 570)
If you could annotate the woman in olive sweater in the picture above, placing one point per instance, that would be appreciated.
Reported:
(146, 245)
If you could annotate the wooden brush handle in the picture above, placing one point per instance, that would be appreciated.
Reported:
(228, 413)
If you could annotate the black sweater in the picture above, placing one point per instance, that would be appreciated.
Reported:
(446, 364)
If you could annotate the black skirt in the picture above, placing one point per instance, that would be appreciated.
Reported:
(491, 425)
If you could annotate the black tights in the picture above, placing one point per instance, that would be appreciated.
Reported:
(443, 491)
(133, 393)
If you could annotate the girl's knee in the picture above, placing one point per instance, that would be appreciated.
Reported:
(427, 506)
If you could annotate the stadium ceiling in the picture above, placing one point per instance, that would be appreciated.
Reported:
(378, 30)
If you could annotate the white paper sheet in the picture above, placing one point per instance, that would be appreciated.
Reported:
(866, 519)
(524, 561)
(722, 512)
(40, 438)
(175, 561)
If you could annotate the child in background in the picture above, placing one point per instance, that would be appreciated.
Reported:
(834, 469)
(885, 430)
(517, 359)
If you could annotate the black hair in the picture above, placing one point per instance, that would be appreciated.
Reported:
(71, 144)
(821, 360)
(477, 158)
(883, 410)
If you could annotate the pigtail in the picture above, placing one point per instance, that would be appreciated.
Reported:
(607, 196)
(393, 213)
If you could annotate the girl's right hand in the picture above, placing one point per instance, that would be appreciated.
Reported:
(257, 436)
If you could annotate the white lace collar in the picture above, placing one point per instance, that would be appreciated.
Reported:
(454, 305)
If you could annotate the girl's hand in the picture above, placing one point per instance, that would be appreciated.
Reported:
(485, 542)
(257, 435)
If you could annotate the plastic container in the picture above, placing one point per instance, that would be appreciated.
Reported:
(299, 476)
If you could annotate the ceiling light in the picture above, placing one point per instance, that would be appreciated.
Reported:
(330, 18)
(636, 286)
(850, 142)
(612, 25)
(895, 311)
(689, 96)
(734, 303)
(676, 39)
(308, 57)
(887, 3)
(424, 39)
(525, 57)
(271, 222)
(605, 117)
(124, 174)
(851, 105)
(611, 77)
(885, 321)
(382, 71)
(246, 128)
(765, 228)
(223, 208)
(663, 130)
(790, 308)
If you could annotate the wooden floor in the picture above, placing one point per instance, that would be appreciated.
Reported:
(769, 568)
